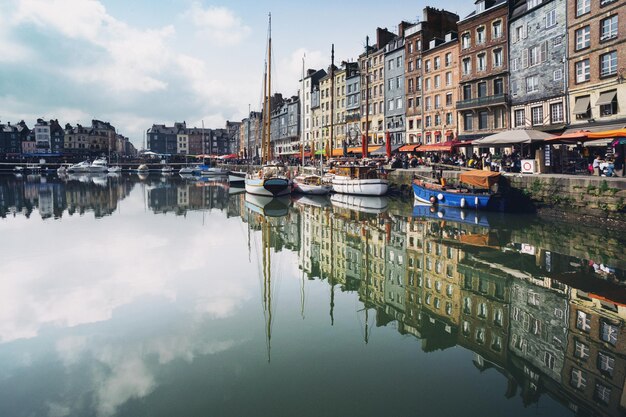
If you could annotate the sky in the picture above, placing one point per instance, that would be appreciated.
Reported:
(140, 62)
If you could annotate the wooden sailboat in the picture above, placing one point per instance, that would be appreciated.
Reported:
(270, 180)
(363, 179)
(310, 183)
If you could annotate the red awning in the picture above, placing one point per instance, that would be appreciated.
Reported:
(409, 147)
(437, 147)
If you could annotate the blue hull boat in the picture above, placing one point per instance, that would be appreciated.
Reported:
(475, 191)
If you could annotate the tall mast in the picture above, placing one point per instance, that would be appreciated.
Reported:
(269, 90)
(367, 94)
(265, 117)
(302, 118)
(332, 98)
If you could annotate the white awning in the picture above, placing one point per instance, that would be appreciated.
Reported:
(606, 97)
(582, 105)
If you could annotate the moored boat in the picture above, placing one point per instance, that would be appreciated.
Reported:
(360, 180)
(311, 184)
(79, 167)
(269, 181)
(143, 168)
(477, 189)
(99, 165)
(236, 179)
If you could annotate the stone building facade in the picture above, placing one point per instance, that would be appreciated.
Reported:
(395, 114)
(538, 49)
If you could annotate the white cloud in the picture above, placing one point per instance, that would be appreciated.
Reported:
(218, 25)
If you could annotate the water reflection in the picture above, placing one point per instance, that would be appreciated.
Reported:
(540, 303)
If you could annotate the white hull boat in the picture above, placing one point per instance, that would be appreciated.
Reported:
(270, 187)
(79, 167)
(311, 184)
(99, 165)
(348, 185)
(115, 169)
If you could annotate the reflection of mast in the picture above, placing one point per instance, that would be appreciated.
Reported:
(367, 286)
(332, 270)
(267, 286)
(302, 298)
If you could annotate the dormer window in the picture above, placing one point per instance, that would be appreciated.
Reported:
(480, 7)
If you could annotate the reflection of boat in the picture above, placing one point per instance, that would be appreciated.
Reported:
(235, 190)
(79, 167)
(311, 184)
(18, 169)
(99, 179)
(188, 177)
(483, 181)
(312, 200)
(360, 180)
(364, 204)
(63, 169)
(207, 170)
(166, 170)
(33, 167)
(451, 214)
(115, 169)
(143, 168)
(268, 206)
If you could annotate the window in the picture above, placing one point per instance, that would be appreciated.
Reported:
(578, 379)
(520, 32)
(602, 393)
(497, 58)
(427, 65)
(481, 62)
(549, 360)
(437, 81)
(465, 41)
(482, 89)
(582, 7)
(428, 103)
(608, 28)
(537, 115)
(532, 84)
(533, 3)
(437, 101)
(556, 113)
(449, 99)
(467, 92)
(390, 105)
(557, 75)
(581, 350)
(437, 123)
(608, 332)
(428, 123)
(448, 78)
(496, 29)
(398, 103)
(583, 72)
(608, 103)
(448, 59)
(557, 41)
(410, 65)
(467, 66)
(551, 18)
(498, 86)
(448, 118)
(480, 35)
(467, 121)
(427, 84)
(520, 119)
(514, 64)
(583, 38)
(608, 64)
(437, 62)
(606, 363)
(583, 321)
(537, 54)
(482, 120)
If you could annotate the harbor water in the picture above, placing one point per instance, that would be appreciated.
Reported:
(127, 295)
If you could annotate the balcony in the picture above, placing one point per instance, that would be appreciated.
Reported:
(483, 101)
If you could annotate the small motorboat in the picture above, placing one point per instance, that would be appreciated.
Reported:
(79, 167)
(143, 168)
(99, 165)
(189, 170)
(167, 170)
(477, 190)
(114, 169)
(236, 178)
(311, 184)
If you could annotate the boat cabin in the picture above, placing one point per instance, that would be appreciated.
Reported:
(358, 172)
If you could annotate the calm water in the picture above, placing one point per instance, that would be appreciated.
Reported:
(128, 296)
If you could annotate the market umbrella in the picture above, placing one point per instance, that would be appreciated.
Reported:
(572, 136)
(513, 137)
(229, 156)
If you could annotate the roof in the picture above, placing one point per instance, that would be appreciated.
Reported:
(496, 5)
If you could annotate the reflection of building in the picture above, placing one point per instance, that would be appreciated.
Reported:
(595, 363)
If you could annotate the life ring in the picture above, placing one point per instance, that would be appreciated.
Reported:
(433, 199)
(439, 196)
